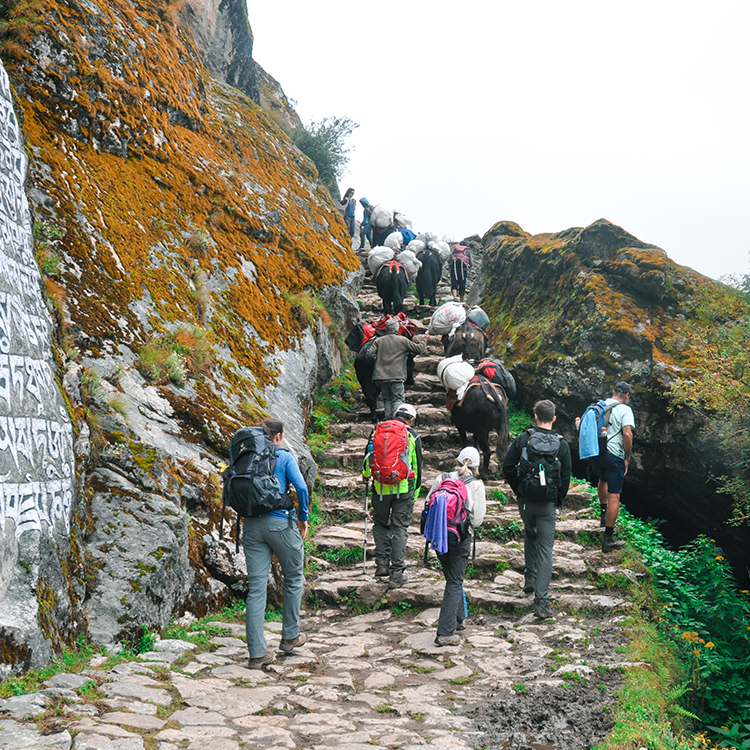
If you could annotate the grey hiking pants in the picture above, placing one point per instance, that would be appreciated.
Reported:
(538, 540)
(393, 395)
(262, 537)
(391, 518)
(454, 569)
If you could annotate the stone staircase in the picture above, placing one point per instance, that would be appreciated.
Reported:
(370, 676)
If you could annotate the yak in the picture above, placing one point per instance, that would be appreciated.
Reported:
(429, 275)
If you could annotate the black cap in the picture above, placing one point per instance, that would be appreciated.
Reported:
(623, 387)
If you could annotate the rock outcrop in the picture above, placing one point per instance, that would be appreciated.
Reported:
(188, 255)
(579, 310)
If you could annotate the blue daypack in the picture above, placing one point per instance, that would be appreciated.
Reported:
(592, 430)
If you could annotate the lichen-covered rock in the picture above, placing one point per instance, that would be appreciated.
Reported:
(576, 311)
(186, 247)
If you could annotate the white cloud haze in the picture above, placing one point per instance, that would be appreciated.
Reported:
(545, 113)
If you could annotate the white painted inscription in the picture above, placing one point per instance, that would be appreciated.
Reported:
(36, 435)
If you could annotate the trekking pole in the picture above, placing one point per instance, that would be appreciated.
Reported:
(364, 546)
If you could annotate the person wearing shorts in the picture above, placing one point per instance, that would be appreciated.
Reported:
(610, 469)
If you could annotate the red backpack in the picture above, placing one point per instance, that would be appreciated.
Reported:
(390, 452)
(455, 506)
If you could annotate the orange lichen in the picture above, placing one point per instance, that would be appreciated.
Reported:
(200, 157)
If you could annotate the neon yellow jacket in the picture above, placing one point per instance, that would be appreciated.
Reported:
(415, 464)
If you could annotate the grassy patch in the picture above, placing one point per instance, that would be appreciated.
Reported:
(342, 556)
(502, 531)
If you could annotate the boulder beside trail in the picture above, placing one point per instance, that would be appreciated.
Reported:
(574, 312)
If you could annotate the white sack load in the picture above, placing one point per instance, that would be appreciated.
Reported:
(446, 318)
(416, 246)
(377, 256)
(409, 261)
(402, 221)
(443, 249)
(381, 217)
(454, 372)
(395, 240)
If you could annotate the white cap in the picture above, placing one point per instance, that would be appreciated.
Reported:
(470, 454)
(407, 410)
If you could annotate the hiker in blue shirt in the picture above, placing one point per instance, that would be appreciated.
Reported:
(365, 228)
(279, 533)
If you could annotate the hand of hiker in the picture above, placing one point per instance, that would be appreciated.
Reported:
(302, 526)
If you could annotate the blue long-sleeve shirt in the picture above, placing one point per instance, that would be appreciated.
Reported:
(287, 472)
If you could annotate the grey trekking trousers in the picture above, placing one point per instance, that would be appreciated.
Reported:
(391, 518)
(538, 541)
(393, 395)
(262, 537)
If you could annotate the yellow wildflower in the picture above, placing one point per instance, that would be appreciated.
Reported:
(710, 644)
(719, 557)
(696, 652)
(700, 640)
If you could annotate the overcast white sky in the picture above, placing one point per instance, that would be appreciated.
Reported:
(551, 114)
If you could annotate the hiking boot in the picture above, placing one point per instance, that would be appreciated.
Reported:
(447, 640)
(461, 625)
(381, 572)
(287, 646)
(610, 544)
(543, 613)
(397, 582)
(260, 662)
(528, 587)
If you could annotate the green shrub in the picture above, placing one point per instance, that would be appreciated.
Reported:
(704, 614)
(324, 142)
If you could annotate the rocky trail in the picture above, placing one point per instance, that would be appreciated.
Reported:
(370, 675)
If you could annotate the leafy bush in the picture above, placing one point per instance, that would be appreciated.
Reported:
(325, 143)
(704, 615)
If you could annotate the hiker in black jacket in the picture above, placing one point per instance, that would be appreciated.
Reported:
(539, 475)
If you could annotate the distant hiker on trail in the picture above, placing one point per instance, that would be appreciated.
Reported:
(349, 210)
(457, 505)
(611, 466)
(393, 458)
(459, 264)
(537, 467)
(390, 352)
(276, 533)
(365, 228)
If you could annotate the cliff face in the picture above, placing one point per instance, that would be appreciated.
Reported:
(187, 251)
(579, 310)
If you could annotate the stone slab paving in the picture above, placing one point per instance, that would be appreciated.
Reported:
(362, 681)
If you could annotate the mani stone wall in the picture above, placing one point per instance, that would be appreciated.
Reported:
(37, 477)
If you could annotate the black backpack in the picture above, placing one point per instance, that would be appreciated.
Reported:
(250, 487)
(540, 467)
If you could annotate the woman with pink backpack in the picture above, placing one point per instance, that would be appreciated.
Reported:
(455, 505)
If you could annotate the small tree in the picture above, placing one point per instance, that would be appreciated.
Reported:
(325, 143)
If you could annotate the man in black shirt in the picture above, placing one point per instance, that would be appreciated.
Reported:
(537, 467)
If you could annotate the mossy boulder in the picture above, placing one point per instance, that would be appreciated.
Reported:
(576, 311)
